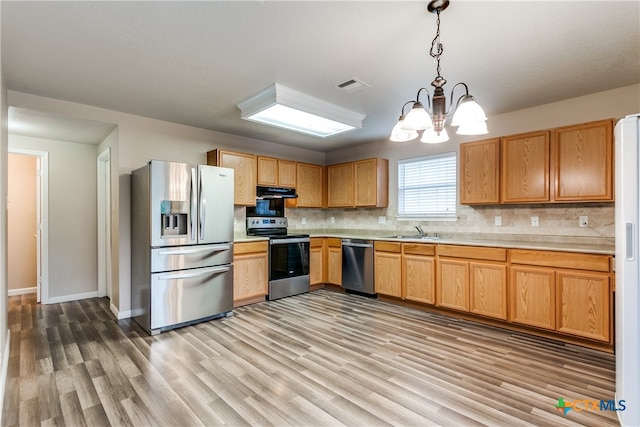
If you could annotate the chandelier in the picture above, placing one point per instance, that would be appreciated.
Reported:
(468, 116)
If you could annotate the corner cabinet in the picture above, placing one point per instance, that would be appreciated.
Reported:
(479, 172)
(245, 168)
(583, 157)
(364, 183)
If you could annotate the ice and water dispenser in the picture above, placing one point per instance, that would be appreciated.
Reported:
(175, 217)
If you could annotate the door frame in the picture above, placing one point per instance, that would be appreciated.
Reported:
(42, 214)
(105, 279)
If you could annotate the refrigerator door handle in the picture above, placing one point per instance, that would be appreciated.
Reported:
(194, 204)
(202, 206)
(200, 272)
(218, 248)
(629, 235)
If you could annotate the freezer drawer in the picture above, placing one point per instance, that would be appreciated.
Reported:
(184, 257)
(185, 296)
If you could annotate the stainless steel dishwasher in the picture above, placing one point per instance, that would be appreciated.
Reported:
(357, 266)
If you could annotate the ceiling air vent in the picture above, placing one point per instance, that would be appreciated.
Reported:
(353, 85)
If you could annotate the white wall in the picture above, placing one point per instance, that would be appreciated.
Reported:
(73, 252)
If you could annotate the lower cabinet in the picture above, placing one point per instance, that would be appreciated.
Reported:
(334, 261)
(250, 271)
(388, 268)
(419, 273)
(453, 284)
(488, 289)
(533, 296)
(317, 261)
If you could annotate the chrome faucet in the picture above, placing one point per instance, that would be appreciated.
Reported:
(420, 230)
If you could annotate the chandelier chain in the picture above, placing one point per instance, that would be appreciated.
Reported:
(435, 43)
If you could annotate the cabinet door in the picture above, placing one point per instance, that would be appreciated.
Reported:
(316, 261)
(479, 172)
(488, 289)
(371, 182)
(245, 168)
(334, 265)
(583, 158)
(525, 168)
(340, 183)
(250, 275)
(388, 273)
(310, 185)
(453, 284)
(267, 171)
(584, 301)
(287, 173)
(532, 296)
(418, 281)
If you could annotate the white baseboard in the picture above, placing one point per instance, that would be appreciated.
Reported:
(22, 291)
(4, 366)
(73, 297)
(120, 314)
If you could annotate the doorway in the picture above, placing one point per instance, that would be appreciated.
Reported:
(40, 193)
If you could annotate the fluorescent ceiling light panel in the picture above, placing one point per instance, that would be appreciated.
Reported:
(289, 109)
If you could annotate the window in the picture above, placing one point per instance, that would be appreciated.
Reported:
(427, 187)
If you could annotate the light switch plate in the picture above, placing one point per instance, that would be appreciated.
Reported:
(497, 221)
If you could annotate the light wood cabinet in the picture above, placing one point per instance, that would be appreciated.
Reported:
(276, 172)
(364, 183)
(388, 268)
(311, 185)
(250, 271)
(566, 292)
(371, 183)
(419, 273)
(340, 185)
(525, 168)
(317, 255)
(479, 172)
(334, 261)
(583, 159)
(532, 291)
(245, 168)
(472, 279)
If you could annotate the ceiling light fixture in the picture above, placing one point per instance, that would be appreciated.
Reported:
(289, 109)
(468, 116)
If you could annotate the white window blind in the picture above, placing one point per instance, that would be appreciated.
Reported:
(427, 186)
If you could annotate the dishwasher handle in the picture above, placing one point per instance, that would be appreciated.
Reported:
(358, 245)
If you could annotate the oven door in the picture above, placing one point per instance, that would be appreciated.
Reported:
(288, 258)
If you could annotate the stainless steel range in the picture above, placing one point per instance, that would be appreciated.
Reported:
(288, 256)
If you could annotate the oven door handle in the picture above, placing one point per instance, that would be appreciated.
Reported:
(287, 241)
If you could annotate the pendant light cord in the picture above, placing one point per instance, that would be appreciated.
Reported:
(436, 53)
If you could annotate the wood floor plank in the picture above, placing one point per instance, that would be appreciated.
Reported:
(318, 359)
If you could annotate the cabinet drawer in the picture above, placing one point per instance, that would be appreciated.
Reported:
(419, 249)
(473, 252)
(248, 248)
(334, 242)
(387, 246)
(316, 242)
(576, 261)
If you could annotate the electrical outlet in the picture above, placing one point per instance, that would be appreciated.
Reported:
(497, 221)
(382, 219)
(332, 220)
(303, 221)
(584, 221)
(535, 221)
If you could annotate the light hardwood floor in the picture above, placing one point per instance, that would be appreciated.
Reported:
(319, 359)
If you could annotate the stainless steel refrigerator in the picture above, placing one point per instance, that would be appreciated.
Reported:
(181, 244)
(627, 298)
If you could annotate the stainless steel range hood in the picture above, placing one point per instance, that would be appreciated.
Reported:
(275, 193)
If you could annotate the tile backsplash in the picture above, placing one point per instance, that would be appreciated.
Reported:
(558, 222)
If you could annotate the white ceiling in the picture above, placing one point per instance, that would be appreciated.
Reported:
(192, 62)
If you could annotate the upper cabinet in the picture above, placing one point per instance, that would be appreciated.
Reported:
(583, 157)
(245, 173)
(479, 172)
(568, 164)
(525, 168)
(310, 186)
(276, 172)
(364, 183)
